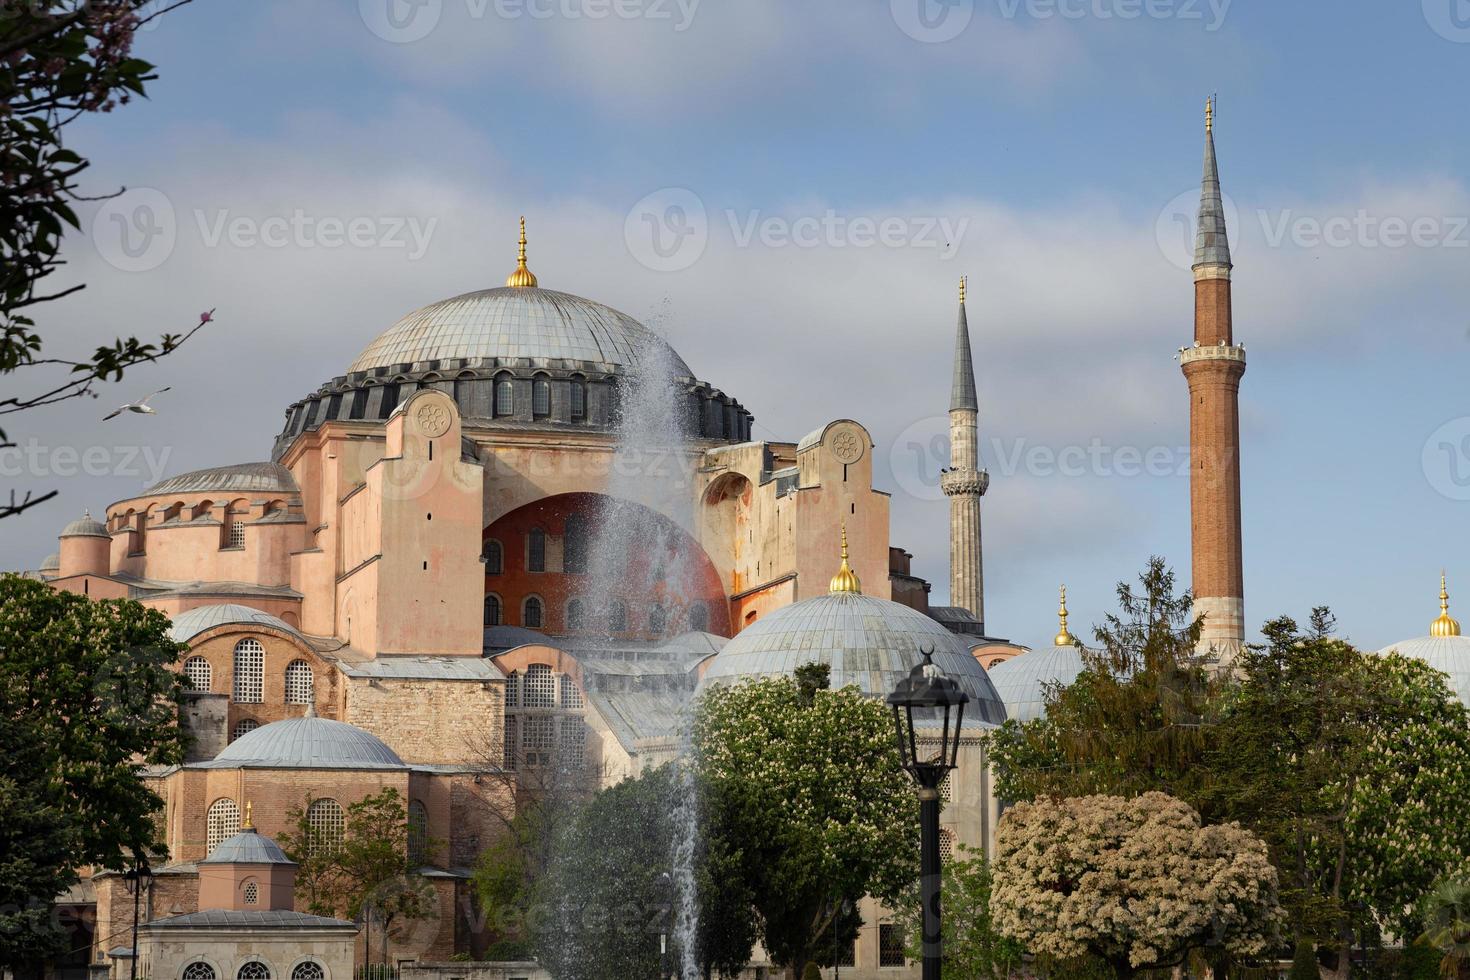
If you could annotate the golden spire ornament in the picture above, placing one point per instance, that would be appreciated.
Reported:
(249, 822)
(964, 281)
(522, 278)
(1210, 115)
(846, 580)
(1064, 637)
(1445, 625)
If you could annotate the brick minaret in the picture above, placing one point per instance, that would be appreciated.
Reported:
(965, 482)
(1214, 367)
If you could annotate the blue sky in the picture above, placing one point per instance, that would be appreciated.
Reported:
(1056, 142)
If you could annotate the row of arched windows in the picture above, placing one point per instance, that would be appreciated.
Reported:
(249, 675)
(579, 616)
(505, 400)
(574, 556)
(255, 970)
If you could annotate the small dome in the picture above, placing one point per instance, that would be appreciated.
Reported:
(308, 742)
(189, 624)
(1023, 681)
(86, 527)
(51, 564)
(249, 846)
(868, 642)
(240, 477)
(1448, 654)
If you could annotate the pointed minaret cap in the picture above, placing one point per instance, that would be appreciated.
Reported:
(846, 580)
(1445, 625)
(523, 277)
(962, 392)
(1064, 637)
(1212, 239)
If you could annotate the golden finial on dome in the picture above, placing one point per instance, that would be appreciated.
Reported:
(523, 277)
(1064, 637)
(846, 579)
(249, 822)
(1210, 115)
(1445, 625)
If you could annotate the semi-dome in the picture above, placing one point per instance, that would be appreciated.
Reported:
(85, 527)
(1444, 649)
(868, 642)
(308, 742)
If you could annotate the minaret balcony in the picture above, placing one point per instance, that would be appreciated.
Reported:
(1216, 352)
(964, 483)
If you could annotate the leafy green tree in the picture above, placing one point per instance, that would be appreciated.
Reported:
(1304, 962)
(370, 868)
(808, 785)
(1447, 926)
(973, 949)
(1137, 717)
(86, 699)
(60, 61)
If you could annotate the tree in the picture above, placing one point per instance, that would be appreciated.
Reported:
(1137, 717)
(371, 869)
(60, 61)
(973, 949)
(86, 699)
(808, 785)
(1304, 962)
(1139, 883)
(1447, 915)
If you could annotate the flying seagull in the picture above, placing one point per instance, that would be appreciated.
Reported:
(140, 406)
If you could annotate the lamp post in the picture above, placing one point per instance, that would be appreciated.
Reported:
(137, 878)
(926, 699)
(665, 885)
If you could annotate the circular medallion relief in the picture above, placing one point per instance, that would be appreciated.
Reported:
(846, 443)
(433, 419)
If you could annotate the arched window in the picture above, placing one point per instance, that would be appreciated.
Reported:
(244, 727)
(252, 893)
(536, 550)
(492, 610)
(574, 545)
(249, 671)
(573, 742)
(254, 970)
(571, 694)
(579, 399)
(946, 844)
(617, 616)
(699, 617)
(196, 669)
(576, 614)
(309, 970)
(299, 683)
(326, 822)
(418, 832)
(505, 397)
(198, 970)
(531, 615)
(658, 619)
(540, 396)
(539, 688)
(494, 557)
(221, 822)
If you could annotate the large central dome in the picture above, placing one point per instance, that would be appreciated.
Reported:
(516, 322)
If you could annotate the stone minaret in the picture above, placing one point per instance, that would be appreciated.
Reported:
(965, 482)
(1214, 367)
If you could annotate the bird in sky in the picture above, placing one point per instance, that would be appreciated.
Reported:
(140, 406)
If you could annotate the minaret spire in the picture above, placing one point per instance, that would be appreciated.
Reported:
(1214, 367)
(965, 482)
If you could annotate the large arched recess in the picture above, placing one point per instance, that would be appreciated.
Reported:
(659, 567)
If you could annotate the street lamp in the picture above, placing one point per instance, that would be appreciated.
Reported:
(137, 878)
(926, 699)
(665, 885)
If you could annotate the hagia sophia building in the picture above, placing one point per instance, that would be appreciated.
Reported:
(457, 561)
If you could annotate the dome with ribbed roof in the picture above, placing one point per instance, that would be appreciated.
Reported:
(868, 642)
(249, 846)
(308, 742)
(51, 564)
(238, 477)
(189, 624)
(85, 527)
(1444, 649)
(1023, 681)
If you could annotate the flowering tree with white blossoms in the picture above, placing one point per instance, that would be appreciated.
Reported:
(1138, 883)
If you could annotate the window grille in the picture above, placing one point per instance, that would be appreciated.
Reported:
(252, 893)
(540, 397)
(300, 685)
(244, 727)
(249, 671)
(310, 970)
(198, 970)
(254, 970)
(327, 823)
(197, 670)
(504, 396)
(890, 945)
(539, 687)
(223, 821)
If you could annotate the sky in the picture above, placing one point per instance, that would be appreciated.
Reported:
(790, 192)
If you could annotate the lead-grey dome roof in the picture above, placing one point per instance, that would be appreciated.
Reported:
(240, 477)
(868, 642)
(1446, 654)
(514, 322)
(1022, 681)
(85, 527)
(189, 624)
(308, 742)
(249, 846)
